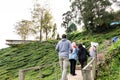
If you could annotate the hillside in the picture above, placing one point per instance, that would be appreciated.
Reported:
(34, 54)
(110, 69)
(13, 59)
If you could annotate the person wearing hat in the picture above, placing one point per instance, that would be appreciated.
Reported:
(73, 58)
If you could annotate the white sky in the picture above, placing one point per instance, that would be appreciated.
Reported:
(12, 11)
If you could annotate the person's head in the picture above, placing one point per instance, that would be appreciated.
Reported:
(64, 36)
(80, 46)
(92, 45)
(74, 45)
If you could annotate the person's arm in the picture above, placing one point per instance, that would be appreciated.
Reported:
(57, 47)
(70, 47)
(87, 53)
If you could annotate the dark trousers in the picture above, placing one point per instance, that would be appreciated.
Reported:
(83, 63)
(72, 66)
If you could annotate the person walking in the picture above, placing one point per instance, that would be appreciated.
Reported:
(73, 58)
(82, 55)
(64, 47)
(92, 51)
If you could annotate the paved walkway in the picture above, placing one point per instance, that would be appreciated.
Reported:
(76, 77)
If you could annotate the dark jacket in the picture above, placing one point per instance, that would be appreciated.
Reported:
(82, 53)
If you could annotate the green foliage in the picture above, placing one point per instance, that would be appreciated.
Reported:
(67, 17)
(116, 16)
(34, 54)
(37, 18)
(71, 28)
(54, 31)
(13, 59)
(47, 23)
(90, 12)
(24, 29)
(42, 20)
(110, 70)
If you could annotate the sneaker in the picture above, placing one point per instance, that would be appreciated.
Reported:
(74, 74)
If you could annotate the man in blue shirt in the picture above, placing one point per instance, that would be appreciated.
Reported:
(64, 47)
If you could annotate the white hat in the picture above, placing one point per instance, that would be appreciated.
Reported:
(94, 44)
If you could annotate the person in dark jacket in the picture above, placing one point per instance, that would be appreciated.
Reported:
(82, 55)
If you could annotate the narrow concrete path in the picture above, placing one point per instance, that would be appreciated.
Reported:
(76, 77)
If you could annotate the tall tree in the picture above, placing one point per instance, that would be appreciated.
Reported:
(47, 24)
(42, 20)
(54, 31)
(23, 29)
(38, 16)
(67, 17)
(90, 12)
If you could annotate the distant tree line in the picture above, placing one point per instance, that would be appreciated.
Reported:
(40, 25)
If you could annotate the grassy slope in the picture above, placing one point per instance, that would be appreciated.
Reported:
(34, 54)
(100, 38)
(110, 69)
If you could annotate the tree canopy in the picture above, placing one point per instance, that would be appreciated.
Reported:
(71, 28)
(92, 13)
(23, 28)
(40, 25)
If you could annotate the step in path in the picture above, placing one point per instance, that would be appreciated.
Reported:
(78, 76)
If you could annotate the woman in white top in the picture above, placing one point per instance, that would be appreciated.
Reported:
(92, 51)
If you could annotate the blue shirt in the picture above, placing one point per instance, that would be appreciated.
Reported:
(64, 47)
(74, 53)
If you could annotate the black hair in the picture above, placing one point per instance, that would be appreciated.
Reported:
(64, 36)
(80, 46)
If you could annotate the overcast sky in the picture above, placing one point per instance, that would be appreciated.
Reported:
(12, 11)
